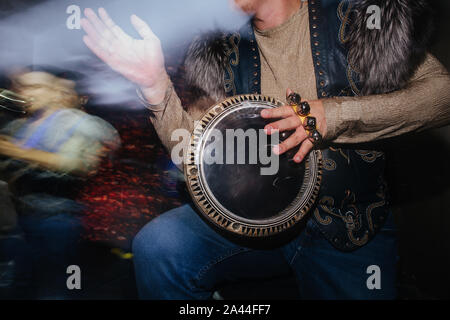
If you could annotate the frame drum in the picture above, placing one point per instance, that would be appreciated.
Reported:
(233, 194)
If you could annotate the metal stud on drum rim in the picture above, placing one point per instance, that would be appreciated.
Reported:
(210, 201)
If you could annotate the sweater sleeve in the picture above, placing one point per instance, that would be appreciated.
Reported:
(423, 104)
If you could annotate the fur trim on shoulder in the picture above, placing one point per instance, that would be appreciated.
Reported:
(205, 65)
(387, 58)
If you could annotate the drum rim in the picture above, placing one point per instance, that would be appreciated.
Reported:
(209, 209)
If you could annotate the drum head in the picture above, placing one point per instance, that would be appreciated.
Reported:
(236, 181)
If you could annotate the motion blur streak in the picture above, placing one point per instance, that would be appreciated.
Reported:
(35, 33)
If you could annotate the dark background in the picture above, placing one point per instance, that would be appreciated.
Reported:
(420, 173)
(419, 169)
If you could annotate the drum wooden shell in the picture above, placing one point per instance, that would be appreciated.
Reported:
(215, 211)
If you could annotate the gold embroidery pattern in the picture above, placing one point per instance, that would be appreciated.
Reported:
(351, 223)
(344, 17)
(319, 218)
(329, 165)
(358, 241)
(352, 82)
(357, 219)
(369, 213)
(353, 220)
(324, 203)
(234, 42)
(233, 58)
(369, 156)
(341, 152)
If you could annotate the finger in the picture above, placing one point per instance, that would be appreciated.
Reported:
(289, 123)
(98, 24)
(90, 30)
(95, 38)
(109, 23)
(94, 20)
(280, 112)
(288, 92)
(141, 27)
(96, 49)
(106, 19)
(294, 140)
(305, 148)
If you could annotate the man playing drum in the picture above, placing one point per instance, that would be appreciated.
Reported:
(360, 84)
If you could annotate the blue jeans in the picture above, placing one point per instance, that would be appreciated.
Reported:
(179, 256)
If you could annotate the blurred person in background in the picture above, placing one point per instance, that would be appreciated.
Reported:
(45, 156)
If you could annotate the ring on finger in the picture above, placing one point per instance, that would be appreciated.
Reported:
(303, 111)
(310, 123)
(314, 136)
(294, 99)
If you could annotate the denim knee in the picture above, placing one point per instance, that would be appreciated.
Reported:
(164, 239)
(147, 243)
(161, 254)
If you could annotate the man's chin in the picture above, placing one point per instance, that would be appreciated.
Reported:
(245, 6)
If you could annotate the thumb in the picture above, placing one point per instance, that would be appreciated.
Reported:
(141, 27)
(288, 92)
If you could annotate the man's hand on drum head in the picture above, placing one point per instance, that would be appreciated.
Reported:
(139, 60)
(293, 119)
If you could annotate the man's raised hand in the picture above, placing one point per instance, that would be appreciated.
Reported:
(139, 60)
